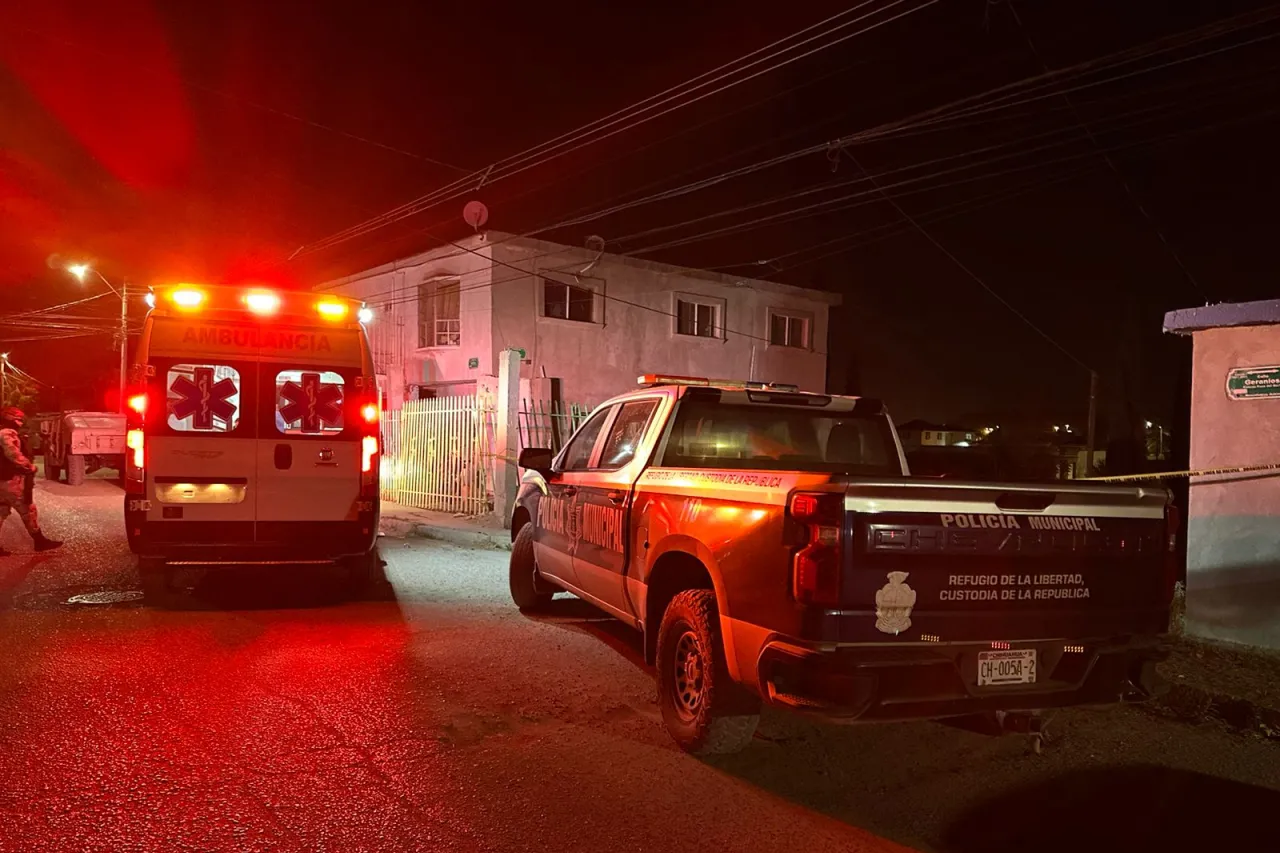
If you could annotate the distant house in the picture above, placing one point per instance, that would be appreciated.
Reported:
(592, 321)
(917, 434)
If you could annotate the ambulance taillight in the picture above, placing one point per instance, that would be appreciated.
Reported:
(135, 461)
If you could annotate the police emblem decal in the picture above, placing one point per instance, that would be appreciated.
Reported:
(894, 601)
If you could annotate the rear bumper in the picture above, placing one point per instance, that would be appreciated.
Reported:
(252, 542)
(932, 681)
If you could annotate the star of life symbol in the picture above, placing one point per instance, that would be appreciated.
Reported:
(894, 601)
(311, 403)
(202, 399)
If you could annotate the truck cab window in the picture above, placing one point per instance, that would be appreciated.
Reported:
(577, 456)
(624, 438)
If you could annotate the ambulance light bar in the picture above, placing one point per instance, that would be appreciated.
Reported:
(188, 299)
(651, 379)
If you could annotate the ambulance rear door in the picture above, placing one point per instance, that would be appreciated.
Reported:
(201, 444)
(309, 437)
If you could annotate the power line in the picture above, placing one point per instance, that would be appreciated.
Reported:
(973, 275)
(948, 112)
(687, 93)
(1124, 182)
(889, 129)
(718, 232)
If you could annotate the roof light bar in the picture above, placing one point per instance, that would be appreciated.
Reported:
(332, 309)
(663, 379)
(261, 302)
(187, 298)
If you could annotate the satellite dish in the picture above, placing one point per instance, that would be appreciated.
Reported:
(475, 214)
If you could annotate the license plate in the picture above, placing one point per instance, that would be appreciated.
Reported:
(1008, 667)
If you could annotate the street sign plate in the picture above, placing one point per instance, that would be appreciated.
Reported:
(1253, 383)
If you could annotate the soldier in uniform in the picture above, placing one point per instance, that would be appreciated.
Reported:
(17, 478)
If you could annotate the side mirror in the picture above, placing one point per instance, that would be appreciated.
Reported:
(536, 459)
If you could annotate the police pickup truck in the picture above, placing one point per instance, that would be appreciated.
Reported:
(772, 547)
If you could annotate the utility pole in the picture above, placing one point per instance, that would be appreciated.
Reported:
(82, 270)
(1093, 423)
(4, 377)
(124, 339)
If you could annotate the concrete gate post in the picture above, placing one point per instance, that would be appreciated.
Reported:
(506, 475)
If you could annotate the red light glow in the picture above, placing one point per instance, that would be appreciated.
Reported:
(262, 303)
(138, 402)
(137, 443)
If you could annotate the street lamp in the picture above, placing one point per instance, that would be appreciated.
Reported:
(81, 271)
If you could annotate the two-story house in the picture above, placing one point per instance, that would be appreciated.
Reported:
(593, 321)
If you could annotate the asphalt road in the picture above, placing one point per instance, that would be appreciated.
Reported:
(263, 712)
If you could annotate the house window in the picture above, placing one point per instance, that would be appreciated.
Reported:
(697, 319)
(439, 314)
(788, 330)
(563, 301)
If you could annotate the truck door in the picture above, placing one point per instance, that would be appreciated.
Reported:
(200, 448)
(308, 452)
(604, 494)
(556, 533)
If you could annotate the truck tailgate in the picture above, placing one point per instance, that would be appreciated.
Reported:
(929, 561)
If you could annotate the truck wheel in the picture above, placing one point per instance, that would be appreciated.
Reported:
(75, 470)
(156, 580)
(360, 572)
(526, 591)
(703, 709)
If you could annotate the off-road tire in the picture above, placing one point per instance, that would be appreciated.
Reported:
(724, 717)
(157, 581)
(75, 470)
(527, 591)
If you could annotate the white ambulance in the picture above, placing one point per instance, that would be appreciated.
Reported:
(252, 433)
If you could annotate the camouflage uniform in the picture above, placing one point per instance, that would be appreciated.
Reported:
(17, 474)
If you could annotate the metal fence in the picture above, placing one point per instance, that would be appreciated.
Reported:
(545, 423)
(436, 455)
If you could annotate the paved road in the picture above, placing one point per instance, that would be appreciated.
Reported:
(269, 714)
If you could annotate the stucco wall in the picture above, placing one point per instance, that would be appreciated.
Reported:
(1233, 540)
(634, 332)
(393, 334)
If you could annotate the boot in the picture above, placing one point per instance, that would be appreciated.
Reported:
(44, 543)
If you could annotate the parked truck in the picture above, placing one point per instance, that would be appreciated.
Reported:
(80, 443)
(772, 547)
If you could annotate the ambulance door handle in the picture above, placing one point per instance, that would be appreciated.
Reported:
(617, 497)
(569, 491)
(284, 456)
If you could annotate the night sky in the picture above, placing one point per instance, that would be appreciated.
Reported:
(208, 141)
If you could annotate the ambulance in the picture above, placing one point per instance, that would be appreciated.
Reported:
(252, 433)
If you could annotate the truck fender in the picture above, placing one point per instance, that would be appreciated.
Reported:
(691, 547)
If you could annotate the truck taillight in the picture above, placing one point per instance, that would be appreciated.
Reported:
(816, 564)
(368, 451)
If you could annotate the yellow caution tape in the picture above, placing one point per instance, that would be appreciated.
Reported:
(1169, 475)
